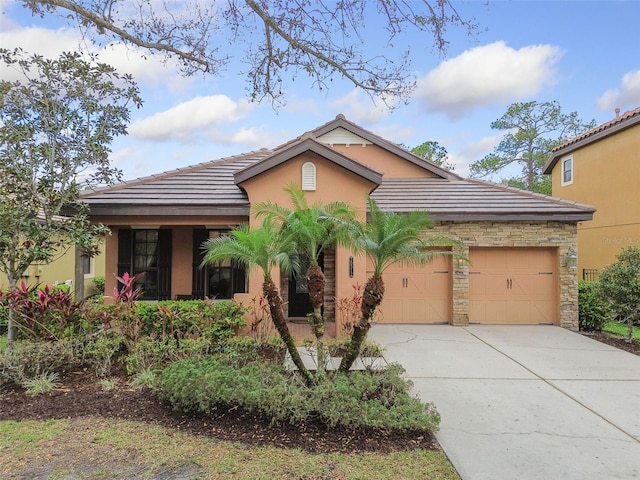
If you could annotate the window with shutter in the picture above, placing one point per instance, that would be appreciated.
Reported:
(309, 177)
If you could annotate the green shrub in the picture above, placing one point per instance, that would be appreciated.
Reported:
(29, 359)
(155, 353)
(98, 284)
(353, 400)
(182, 319)
(101, 351)
(593, 308)
(144, 379)
(42, 383)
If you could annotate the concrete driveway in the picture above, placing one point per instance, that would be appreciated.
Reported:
(524, 402)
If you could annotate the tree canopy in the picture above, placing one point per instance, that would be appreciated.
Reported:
(435, 153)
(56, 124)
(532, 129)
(317, 38)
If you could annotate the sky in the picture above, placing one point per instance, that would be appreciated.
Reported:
(584, 54)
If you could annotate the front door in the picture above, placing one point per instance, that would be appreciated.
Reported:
(299, 303)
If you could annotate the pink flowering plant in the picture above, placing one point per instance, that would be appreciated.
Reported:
(47, 313)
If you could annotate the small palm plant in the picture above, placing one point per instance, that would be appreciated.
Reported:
(266, 248)
(313, 228)
(389, 238)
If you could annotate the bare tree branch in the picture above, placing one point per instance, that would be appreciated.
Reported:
(318, 38)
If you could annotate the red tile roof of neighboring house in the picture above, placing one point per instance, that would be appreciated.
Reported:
(621, 122)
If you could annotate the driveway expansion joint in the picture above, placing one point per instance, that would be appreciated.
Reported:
(555, 387)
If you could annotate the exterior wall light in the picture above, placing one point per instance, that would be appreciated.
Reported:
(350, 267)
(571, 259)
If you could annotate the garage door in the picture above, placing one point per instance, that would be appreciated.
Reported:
(513, 286)
(417, 294)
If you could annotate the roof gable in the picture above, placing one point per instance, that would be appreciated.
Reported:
(342, 137)
(617, 125)
(307, 145)
(340, 124)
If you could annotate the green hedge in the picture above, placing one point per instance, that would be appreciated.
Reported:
(354, 400)
(593, 309)
(214, 320)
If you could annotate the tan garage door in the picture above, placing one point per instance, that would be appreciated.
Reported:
(513, 286)
(417, 294)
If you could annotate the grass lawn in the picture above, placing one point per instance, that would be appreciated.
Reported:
(96, 448)
(620, 329)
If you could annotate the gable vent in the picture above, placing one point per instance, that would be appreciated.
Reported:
(309, 176)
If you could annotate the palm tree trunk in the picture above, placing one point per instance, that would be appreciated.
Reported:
(371, 299)
(272, 295)
(316, 283)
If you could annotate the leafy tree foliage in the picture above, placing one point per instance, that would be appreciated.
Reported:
(314, 228)
(388, 238)
(318, 38)
(532, 129)
(56, 123)
(620, 285)
(435, 153)
(266, 248)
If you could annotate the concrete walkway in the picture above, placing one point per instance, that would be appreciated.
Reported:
(524, 402)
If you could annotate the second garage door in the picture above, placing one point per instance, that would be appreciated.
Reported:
(418, 294)
(513, 286)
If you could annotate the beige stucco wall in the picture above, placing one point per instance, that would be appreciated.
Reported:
(61, 270)
(607, 176)
(332, 183)
(515, 234)
(382, 161)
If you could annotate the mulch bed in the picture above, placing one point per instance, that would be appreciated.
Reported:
(615, 341)
(81, 395)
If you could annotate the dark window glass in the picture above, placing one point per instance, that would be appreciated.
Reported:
(86, 266)
(224, 278)
(145, 259)
(567, 170)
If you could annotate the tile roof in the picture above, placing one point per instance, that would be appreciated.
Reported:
(621, 122)
(474, 200)
(210, 189)
(207, 185)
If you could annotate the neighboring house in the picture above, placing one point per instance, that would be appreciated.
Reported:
(517, 241)
(63, 270)
(601, 167)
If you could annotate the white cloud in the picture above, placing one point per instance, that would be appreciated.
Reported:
(493, 74)
(628, 95)
(359, 109)
(196, 120)
(147, 69)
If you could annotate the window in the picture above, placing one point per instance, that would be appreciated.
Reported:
(88, 267)
(567, 171)
(309, 176)
(148, 251)
(224, 278)
(145, 259)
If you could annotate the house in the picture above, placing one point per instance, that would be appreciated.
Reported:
(601, 167)
(517, 241)
(67, 268)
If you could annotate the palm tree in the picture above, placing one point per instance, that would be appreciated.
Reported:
(265, 248)
(389, 238)
(314, 228)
